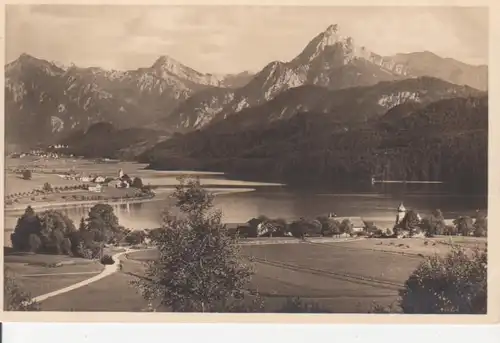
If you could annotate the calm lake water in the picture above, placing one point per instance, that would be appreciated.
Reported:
(240, 201)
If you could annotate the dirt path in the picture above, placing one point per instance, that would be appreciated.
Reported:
(108, 270)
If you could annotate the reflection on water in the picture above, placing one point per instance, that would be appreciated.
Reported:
(377, 203)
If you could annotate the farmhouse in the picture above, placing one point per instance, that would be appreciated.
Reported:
(96, 189)
(99, 179)
(357, 222)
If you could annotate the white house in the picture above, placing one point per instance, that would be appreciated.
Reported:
(97, 188)
(86, 179)
(99, 179)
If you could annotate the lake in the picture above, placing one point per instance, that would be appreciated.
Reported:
(241, 200)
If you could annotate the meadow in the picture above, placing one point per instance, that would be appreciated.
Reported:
(343, 277)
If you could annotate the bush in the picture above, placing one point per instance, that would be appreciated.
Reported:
(456, 283)
(14, 297)
(107, 260)
(27, 175)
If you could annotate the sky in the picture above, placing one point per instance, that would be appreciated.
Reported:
(232, 39)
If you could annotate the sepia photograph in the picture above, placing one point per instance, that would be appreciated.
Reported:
(246, 159)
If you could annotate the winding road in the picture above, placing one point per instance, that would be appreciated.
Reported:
(108, 270)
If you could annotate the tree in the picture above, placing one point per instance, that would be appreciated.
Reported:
(304, 227)
(102, 223)
(481, 224)
(15, 298)
(27, 224)
(56, 226)
(464, 225)
(434, 224)
(410, 222)
(346, 227)
(27, 174)
(456, 283)
(47, 187)
(200, 268)
(329, 227)
(137, 183)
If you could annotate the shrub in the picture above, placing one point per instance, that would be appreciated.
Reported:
(27, 174)
(14, 296)
(106, 259)
(456, 283)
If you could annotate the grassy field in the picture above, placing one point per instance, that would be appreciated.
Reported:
(38, 273)
(14, 183)
(343, 277)
(107, 193)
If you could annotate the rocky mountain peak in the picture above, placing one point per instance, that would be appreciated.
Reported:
(330, 39)
(166, 62)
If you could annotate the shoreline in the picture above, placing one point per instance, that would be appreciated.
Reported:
(82, 203)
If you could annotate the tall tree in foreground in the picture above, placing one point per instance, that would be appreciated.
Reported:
(200, 268)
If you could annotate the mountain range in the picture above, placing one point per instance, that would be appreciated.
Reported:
(335, 113)
(46, 102)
